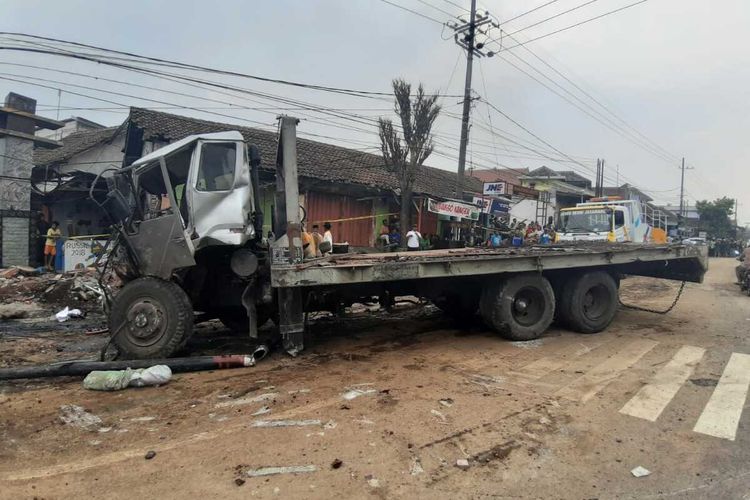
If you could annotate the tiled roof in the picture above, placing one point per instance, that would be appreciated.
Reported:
(509, 175)
(315, 160)
(75, 143)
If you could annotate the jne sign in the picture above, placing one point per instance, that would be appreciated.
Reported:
(494, 188)
(453, 208)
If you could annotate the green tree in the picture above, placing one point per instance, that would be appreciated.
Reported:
(716, 217)
(405, 160)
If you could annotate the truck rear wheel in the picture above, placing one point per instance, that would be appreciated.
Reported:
(520, 307)
(588, 302)
(150, 318)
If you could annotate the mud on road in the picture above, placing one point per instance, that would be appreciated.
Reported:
(386, 406)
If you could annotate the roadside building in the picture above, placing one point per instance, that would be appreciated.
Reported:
(18, 126)
(71, 126)
(349, 188)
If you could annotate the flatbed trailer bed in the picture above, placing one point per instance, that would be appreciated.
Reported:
(669, 261)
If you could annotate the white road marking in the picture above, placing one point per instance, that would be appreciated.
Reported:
(650, 401)
(586, 386)
(722, 413)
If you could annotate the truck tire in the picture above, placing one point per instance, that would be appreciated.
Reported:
(588, 302)
(520, 307)
(154, 318)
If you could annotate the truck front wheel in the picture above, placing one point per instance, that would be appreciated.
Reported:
(520, 307)
(588, 302)
(150, 318)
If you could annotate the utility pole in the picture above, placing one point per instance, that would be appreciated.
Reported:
(465, 36)
(683, 208)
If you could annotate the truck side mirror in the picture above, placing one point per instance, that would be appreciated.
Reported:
(254, 155)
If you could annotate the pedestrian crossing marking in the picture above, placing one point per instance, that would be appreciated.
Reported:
(651, 399)
(722, 413)
(586, 386)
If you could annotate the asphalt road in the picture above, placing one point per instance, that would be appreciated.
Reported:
(386, 405)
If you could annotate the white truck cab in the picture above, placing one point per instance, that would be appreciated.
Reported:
(603, 219)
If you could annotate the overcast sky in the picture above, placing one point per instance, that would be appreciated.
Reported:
(676, 71)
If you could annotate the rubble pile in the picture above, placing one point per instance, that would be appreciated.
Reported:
(28, 285)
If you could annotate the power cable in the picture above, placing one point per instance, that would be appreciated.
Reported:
(413, 12)
(576, 24)
(554, 17)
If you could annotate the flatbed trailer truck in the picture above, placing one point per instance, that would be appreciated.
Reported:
(188, 246)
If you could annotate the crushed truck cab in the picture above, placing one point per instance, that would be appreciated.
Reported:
(188, 245)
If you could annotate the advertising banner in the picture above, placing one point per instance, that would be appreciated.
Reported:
(453, 209)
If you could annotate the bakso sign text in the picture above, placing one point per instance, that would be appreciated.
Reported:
(453, 209)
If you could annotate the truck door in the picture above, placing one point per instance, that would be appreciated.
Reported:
(219, 193)
(620, 226)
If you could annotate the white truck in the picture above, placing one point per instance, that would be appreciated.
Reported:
(608, 219)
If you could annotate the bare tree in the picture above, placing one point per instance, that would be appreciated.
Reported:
(406, 159)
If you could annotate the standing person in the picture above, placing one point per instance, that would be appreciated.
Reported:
(309, 248)
(318, 239)
(50, 250)
(394, 239)
(39, 242)
(328, 236)
(412, 239)
(383, 238)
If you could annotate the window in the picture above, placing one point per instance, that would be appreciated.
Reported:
(216, 171)
(619, 218)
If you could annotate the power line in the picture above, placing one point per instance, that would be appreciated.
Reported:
(413, 12)
(527, 12)
(670, 156)
(577, 24)
(554, 17)
(423, 2)
(214, 70)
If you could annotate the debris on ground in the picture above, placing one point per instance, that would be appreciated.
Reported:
(239, 481)
(356, 392)
(337, 463)
(261, 411)
(115, 380)
(284, 423)
(447, 402)
(67, 313)
(270, 471)
(462, 463)
(17, 310)
(416, 467)
(150, 454)
(439, 415)
(260, 398)
(78, 417)
(640, 472)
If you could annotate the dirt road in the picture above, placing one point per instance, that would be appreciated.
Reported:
(399, 399)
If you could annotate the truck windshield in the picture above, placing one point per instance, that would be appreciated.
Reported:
(589, 221)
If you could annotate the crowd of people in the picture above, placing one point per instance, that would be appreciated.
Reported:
(724, 247)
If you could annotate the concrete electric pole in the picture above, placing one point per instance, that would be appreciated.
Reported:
(465, 36)
(683, 208)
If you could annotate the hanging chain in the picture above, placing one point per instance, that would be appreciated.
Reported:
(655, 311)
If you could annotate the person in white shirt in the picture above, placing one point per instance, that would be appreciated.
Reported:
(412, 239)
(328, 236)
